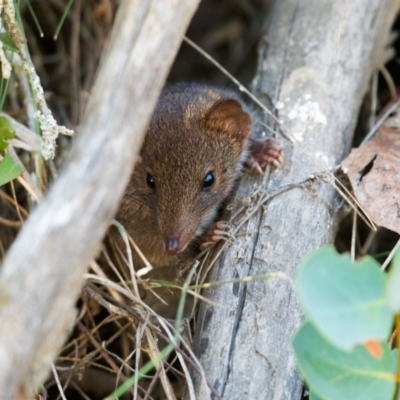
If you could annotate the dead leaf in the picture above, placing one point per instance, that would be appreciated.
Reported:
(374, 348)
(374, 173)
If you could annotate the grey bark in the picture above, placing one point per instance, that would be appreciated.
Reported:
(315, 64)
(42, 274)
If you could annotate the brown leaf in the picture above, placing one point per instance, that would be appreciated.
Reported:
(374, 173)
(374, 348)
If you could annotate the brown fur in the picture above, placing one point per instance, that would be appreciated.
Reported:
(194, 129)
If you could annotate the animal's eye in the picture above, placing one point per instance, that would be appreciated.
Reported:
(209, 180)
(150, 181)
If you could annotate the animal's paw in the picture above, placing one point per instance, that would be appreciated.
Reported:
(215, 233)
(263, 152)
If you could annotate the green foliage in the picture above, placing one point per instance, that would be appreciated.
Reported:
(8, 43)
(341, 349)
(314, 396)
(9, 170)
(336, 374)
(345, 301)
(393, 287)
(6, 133)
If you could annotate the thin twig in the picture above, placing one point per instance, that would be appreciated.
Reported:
(390, 256)
(380, 122)
(353, 237)
(60, 388)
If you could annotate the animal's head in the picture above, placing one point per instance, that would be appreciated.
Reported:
(190, 160)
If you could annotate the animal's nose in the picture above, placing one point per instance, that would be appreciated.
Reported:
(176, 241)
(172, 246)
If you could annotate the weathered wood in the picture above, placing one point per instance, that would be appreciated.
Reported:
(42, 274)
(315, 65)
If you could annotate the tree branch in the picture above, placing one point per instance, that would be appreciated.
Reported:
(315, 65)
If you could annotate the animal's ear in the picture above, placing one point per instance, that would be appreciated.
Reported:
(228, 117)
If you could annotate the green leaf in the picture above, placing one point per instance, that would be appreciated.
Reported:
(393, 285)
(345, 302)
(314, 396)
(336, 375)
(6, 132)
(394, 360)
(9, 170)
(394, 368)
(8, 43)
